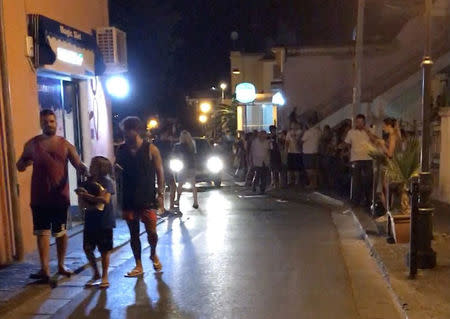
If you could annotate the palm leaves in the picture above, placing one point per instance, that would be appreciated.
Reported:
(405, 163)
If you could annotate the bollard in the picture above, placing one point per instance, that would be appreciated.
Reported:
(426, 256)
(412, 255)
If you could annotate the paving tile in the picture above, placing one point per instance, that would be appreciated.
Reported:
(65, 292)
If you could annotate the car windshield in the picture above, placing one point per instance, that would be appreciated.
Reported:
(202, 146)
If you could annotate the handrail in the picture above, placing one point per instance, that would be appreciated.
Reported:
(381, 83)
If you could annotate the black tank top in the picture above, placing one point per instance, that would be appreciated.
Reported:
(138, 177)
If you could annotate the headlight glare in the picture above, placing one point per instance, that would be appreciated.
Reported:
(214, 164)
(176, 165)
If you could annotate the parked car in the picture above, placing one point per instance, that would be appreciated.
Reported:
(209, 163)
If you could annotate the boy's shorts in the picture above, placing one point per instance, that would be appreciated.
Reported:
(147, 216)
(101, 239)
(49, 220)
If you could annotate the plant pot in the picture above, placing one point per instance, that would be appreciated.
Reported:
(399, 227)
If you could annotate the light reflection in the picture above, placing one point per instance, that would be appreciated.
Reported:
(217, 207)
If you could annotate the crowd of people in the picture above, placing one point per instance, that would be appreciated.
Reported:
(302, 156)
(335, 160)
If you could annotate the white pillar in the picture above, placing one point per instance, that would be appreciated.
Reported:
(444, 171)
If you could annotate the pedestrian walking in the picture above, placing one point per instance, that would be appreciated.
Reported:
(327, 152)
(49, 155)
(164, 145)
(310, 140)
(186, 150)
(362, 167)
(95, 200)
(275, 157)
(140, 162)
(260, 157)
(294, 160)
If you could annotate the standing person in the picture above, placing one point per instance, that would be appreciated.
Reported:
(250, 169)
(284, 156)
(275, 157)
(361, 163)
(95, 198)
(186, 150)
(294, 160)
(164, 145)
(141, 162)
(310, 140)
(49, 155)
(260, 157)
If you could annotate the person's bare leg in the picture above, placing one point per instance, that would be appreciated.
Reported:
(194, 191)
(105, 266)
(91, 258)
(61, 248)
(43, 242)
(173, 188)
(179, 191)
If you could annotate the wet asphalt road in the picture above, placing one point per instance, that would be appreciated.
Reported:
(233, 258)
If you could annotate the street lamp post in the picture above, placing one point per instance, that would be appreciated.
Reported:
(426, 257)
(223, 87)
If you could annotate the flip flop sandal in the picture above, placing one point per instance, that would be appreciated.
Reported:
(157, 266)
(104, 285)
(91, 283)
(67, 273)
(38, 275)
(134, 273)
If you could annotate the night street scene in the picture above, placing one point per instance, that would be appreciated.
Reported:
(225, 159)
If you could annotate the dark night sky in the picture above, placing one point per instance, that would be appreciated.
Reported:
(177, 46)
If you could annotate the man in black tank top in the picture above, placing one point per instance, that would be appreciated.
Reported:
(141, 163)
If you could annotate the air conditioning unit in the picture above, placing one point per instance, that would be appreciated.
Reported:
(112, 43)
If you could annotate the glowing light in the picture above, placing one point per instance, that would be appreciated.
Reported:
(278, 99)
(152, 123)
(236, 71)
(176, 165)
(240, 115)
(118, 86)
(203, 119)
(245, 92)
(205, 107)
(214, 164)
(69, 56)
(223, 86)
(187, 185)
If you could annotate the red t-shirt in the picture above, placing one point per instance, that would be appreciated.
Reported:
(50, 181)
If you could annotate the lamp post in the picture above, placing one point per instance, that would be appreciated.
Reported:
(223, 87)
(426, 257)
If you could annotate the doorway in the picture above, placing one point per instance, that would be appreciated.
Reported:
(62, 96)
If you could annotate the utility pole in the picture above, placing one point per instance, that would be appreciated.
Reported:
(426, 257)
(359, 48)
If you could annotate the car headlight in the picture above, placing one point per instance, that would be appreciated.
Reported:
(214, 164)
(176, 165)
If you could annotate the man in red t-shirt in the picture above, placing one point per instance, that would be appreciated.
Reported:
(49, 155)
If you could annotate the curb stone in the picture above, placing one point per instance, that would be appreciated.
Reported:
(398, 302)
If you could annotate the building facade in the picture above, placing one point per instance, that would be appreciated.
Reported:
(51, 62)
(265, 72)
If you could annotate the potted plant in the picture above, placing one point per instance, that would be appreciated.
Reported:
(398, 170)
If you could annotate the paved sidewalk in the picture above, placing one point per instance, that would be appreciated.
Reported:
(14, 281)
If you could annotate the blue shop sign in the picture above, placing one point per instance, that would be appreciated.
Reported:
(41, 28)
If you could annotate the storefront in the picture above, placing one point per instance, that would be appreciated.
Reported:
(68, 62)
(258, 115)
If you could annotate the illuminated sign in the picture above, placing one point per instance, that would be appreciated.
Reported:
(245, 92)
(69, 56)
(278, 99)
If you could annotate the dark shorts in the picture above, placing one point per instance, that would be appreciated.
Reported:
(294, 161)
(100, 238)
(49, 220)
(311, 161)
